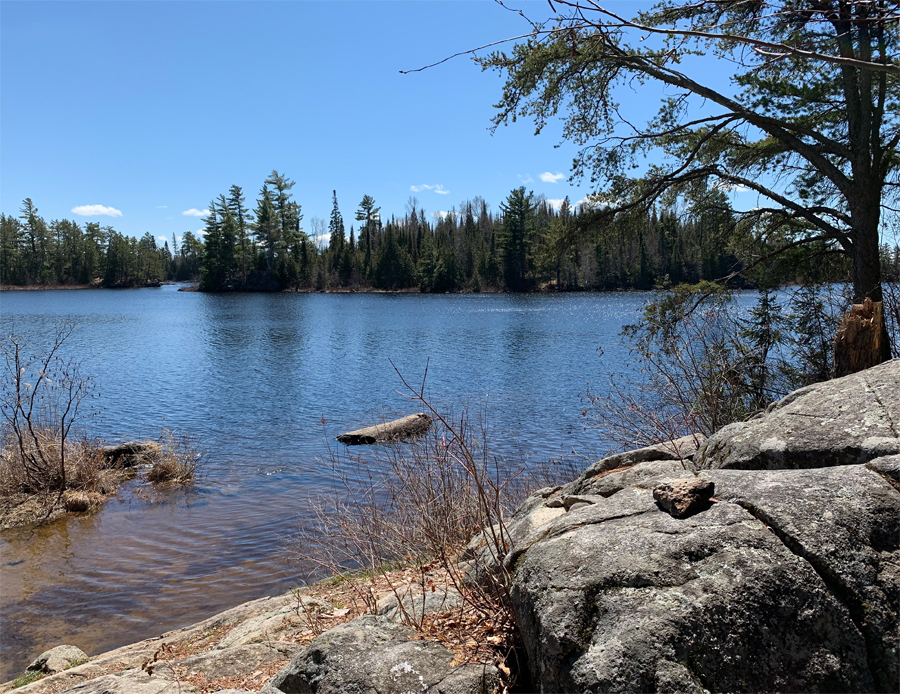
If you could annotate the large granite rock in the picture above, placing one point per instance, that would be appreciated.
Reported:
(619, 596)
(848, 420)
(374, 655)
(845, 522)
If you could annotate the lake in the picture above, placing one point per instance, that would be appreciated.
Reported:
(265, 382)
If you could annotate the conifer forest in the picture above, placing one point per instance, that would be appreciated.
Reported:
(523, 244)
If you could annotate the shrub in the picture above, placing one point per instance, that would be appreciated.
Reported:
(700, 363)
(41, 399)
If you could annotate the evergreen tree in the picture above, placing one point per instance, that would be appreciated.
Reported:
(518, 220)
(370, 216)
(267, 227)
(240, 214)
(336, 233)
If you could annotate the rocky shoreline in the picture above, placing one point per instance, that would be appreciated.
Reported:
(766, 558)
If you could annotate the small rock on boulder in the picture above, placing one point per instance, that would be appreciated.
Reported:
(684, 497)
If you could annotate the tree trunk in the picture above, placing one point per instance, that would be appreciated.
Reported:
(866, 290)
(860, 341)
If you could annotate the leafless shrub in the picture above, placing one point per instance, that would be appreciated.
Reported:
(42, 396)
(700, 363)
(401, 517)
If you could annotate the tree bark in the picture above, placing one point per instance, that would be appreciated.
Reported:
(861, 340)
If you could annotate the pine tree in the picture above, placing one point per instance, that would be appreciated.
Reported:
(267, 227)
(518, 225)
(240, 214)
(336, 233)
(371, 218)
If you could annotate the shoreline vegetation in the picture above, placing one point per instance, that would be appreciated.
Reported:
(529, 244)
(95, 473)
(48, 465)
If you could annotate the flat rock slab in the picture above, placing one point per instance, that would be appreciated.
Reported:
(131, 682)
(374, 655)
(841, 422)
(236, 660)
(646, 474)
(681, 449)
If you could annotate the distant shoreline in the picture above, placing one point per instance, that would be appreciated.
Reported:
(37, 287)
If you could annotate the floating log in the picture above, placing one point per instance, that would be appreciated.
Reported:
(397, 430)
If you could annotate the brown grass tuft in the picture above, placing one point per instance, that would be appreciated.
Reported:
(76, 501)
(176, 463)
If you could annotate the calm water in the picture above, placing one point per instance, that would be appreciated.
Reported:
(253, 377)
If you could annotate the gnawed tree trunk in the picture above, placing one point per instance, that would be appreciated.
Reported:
(397, 430)
(861, 341)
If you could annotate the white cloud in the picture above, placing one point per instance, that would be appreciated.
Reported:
(193, 212)
(162, 207)
(322, 240)
(96, 211)
(162, 238)
(731, 187)
(548, 177)
(441, 214)
(200, 232)
(592, 202)
(437, 188)
(526, 178)
(556, 203)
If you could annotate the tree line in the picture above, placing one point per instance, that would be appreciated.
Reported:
(34, 252)
(527, 244)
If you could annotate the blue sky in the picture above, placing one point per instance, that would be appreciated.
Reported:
(147, 110)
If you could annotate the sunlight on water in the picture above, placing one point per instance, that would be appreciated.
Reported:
(253, 377)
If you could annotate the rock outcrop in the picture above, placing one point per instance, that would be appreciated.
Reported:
(848, 420)
(766, 558)
(372, 654)
(788, 580)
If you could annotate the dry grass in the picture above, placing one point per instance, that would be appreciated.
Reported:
(87, 478)
(90, 476)
(177, 461)
(82, 460)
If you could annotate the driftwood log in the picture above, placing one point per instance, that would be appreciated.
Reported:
(397, 430)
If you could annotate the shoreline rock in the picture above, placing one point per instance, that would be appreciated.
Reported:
(632, 577)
